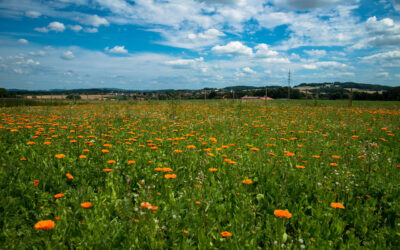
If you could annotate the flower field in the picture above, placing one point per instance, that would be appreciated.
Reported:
(200, 175)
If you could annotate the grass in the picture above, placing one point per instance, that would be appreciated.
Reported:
(285, 149)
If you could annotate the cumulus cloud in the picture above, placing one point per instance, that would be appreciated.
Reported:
(53, 26)
(248, 70)
(263, 50)
(117, 50)
(33, 14)
(233, 49)
(384, 32)
(23, 41)
(56, 26)
(310, 4)
(67, 55)
(75, 28)
(389, 58)
(94, 20)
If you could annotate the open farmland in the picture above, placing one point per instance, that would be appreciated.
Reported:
(193, 174)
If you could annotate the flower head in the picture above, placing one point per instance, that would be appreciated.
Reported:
(337, 205)
(45, 225)
(60, 195)
(247, 181)
(86, 204)
(282, 213)
(226, 234)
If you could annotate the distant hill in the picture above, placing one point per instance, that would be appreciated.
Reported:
(330, 87)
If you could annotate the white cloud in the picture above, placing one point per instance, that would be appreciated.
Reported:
(75, 28)
(23, 41)
(248, 70)
(383, 33)
(67, 55)
(233, 49)
(53, 26)
(90, 30)
(389, 55)
(326, 65)
(56, 26)
(310, 4)
(94, 20)
(117, 50)
(43, 30)
(33, 14)
(382, 74)
(274, 60)
(185, 63)
(315, 52)
(263, 50)
(191, 40)
(37, 53)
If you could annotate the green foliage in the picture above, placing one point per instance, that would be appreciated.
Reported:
(143, 137)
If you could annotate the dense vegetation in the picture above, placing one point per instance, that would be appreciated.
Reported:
(224, 174)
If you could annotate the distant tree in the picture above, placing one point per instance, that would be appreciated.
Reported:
(73, 97)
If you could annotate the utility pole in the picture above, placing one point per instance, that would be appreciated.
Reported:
(288, 84)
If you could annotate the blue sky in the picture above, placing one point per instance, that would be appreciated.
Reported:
(192, 44)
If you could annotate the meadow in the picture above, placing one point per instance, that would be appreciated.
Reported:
(194, 174)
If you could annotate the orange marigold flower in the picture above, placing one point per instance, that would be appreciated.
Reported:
(22, 159)
(57, 217)
(335, 156)
(191, 147)
(105, 150)
(316, 156)
(107, 145)
(170, 176)
(131, 162)
(337, 205)
(45, 225)
(254, 149)
(60, 195)
(247, 181)
(334, 164)
(213, 169)
(35, 183)
(108, 170)
(47, 142)
(69, 176)
(59, 156)
(30, 143)
(111, 161)
(82, 157)
(158, 169)
(197, 202)
(290, 154)
(167, 169)
(154, 208)
(299, 166)
(86, 204)
(282, 213)
(226, 234)
(177, 151)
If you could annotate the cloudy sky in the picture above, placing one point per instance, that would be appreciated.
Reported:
(160, 44)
